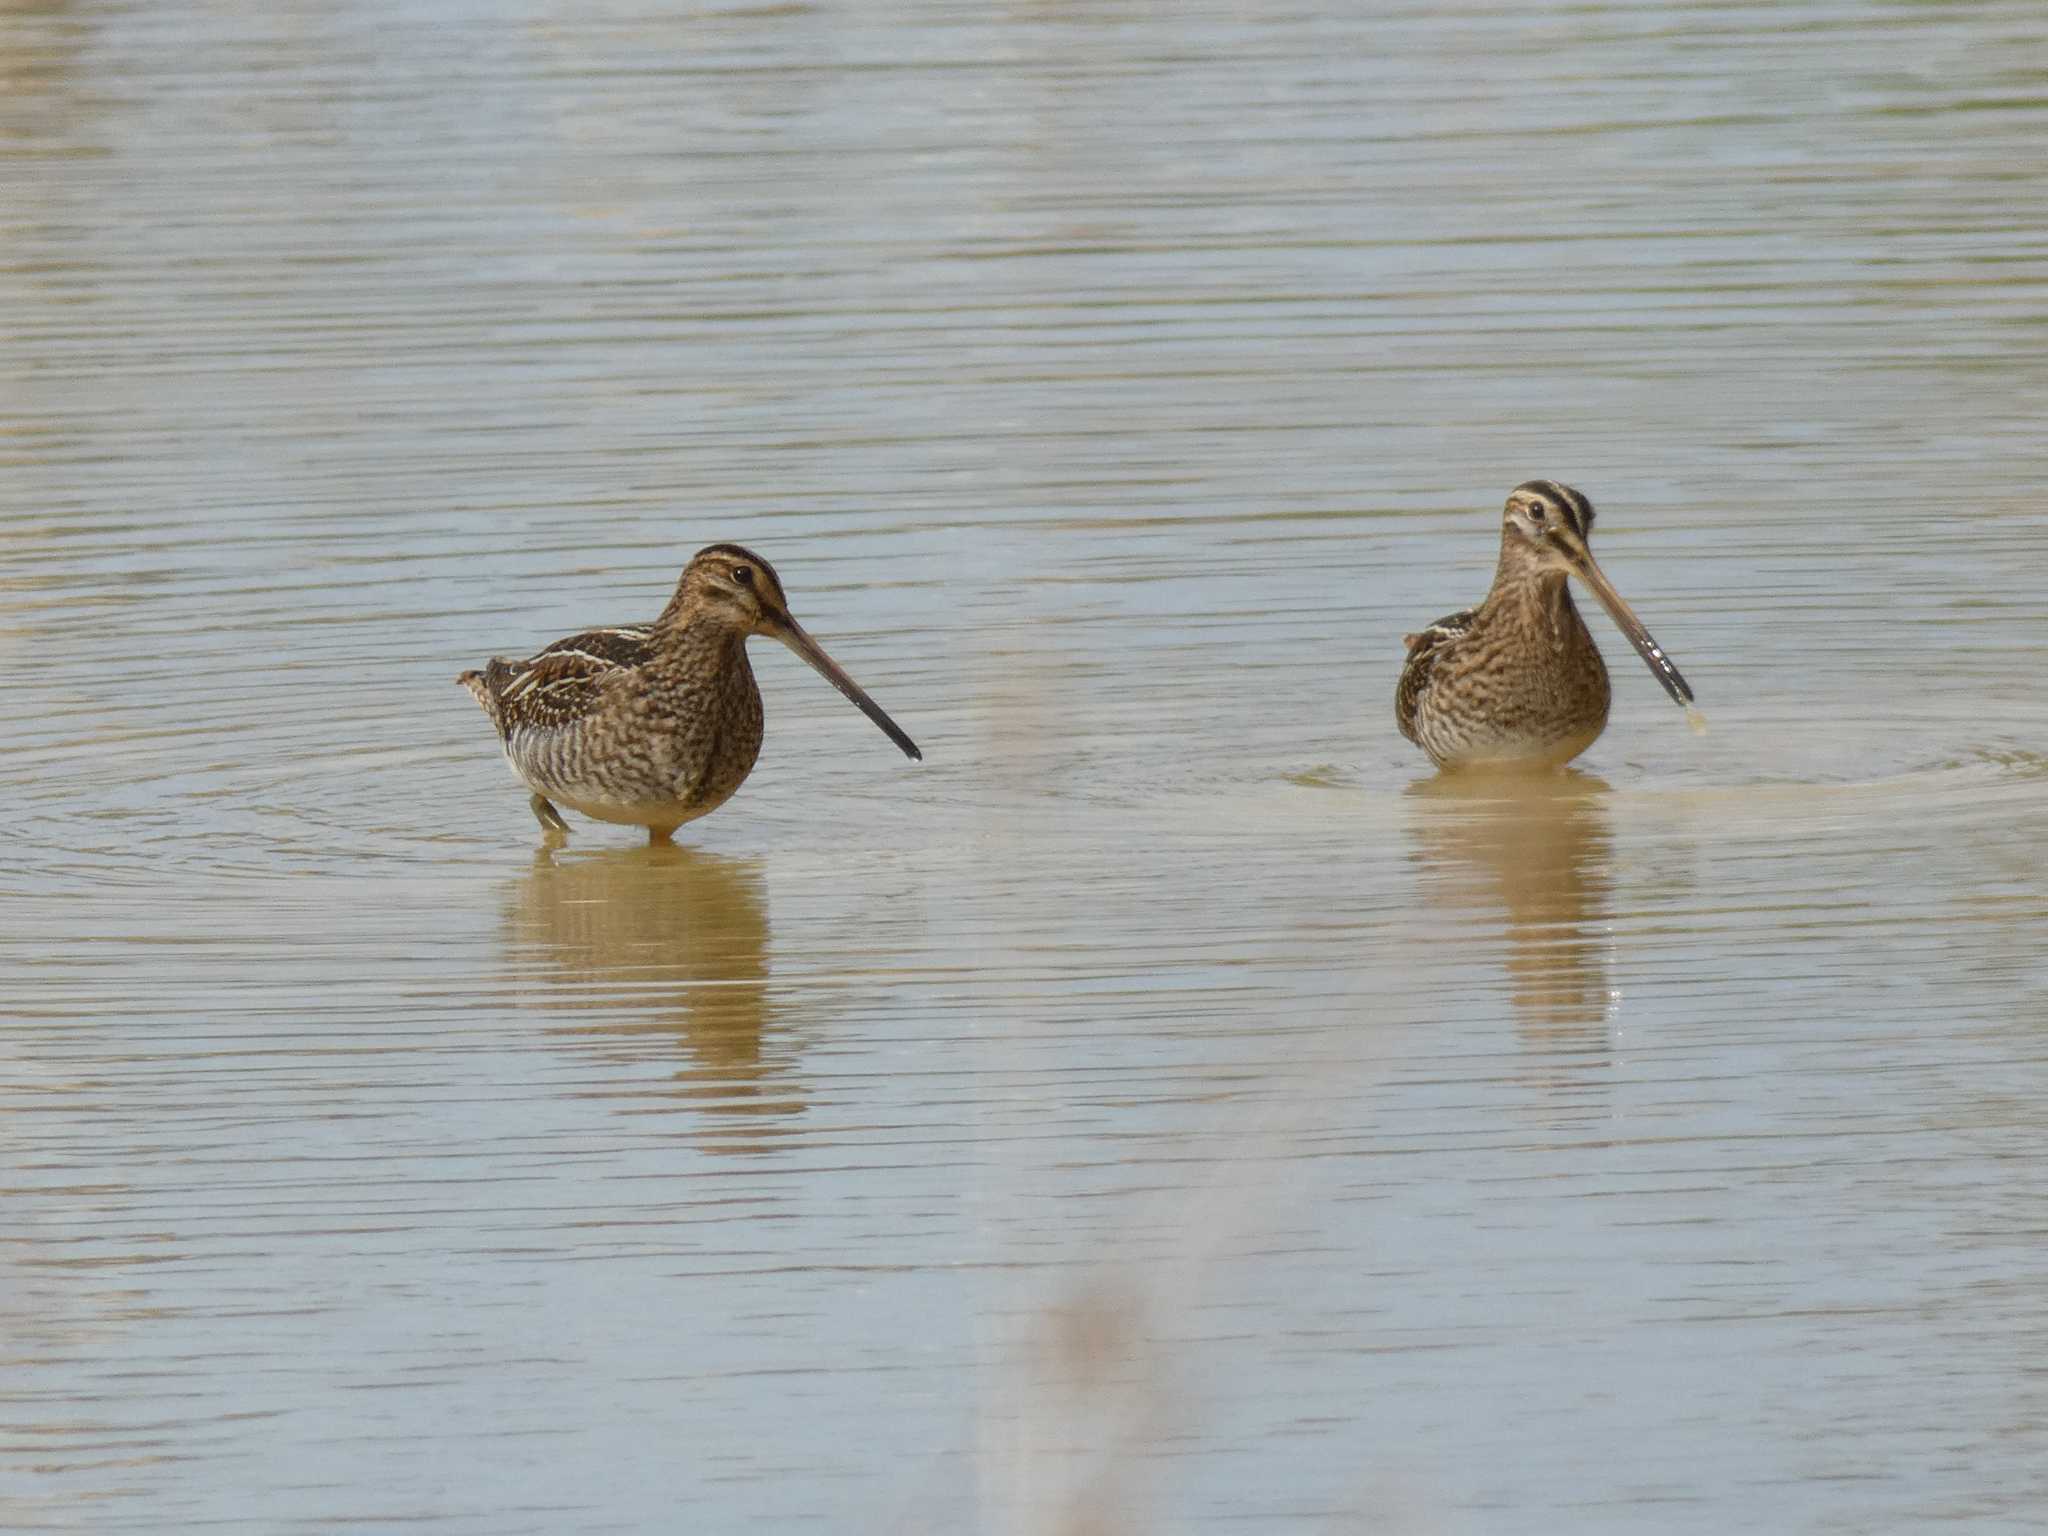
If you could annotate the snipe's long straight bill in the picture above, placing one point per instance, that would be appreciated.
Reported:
(791, 634)
(1625, 619)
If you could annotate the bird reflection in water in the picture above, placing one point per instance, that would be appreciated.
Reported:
(658, 946)
(1532, 851)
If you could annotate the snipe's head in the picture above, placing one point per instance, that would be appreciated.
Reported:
(1549, 526)
(730, 586)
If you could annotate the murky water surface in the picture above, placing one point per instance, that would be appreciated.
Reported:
(1168, 1105)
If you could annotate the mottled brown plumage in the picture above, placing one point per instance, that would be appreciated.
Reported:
(1517, 680)
(654, 724)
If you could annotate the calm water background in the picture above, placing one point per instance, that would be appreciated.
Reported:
(1166, 1106)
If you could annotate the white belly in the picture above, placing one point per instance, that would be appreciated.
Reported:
(588, 800)
(650, 813)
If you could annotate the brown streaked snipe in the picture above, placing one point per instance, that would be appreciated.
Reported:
(1517, 681)
(653, 725)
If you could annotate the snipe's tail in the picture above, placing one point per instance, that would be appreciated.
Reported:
(483, 684)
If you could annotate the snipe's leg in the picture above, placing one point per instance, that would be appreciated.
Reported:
(545, 813)
(658, 837)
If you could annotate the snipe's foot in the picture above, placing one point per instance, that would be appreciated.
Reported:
(661, 837)
(545, 813)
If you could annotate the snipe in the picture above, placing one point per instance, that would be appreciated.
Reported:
(1517, 681)
(653, 725)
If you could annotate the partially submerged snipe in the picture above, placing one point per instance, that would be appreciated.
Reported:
(654, 724)
(1518, 681)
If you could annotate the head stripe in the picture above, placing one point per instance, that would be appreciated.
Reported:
(740, 552)
(1577, 510)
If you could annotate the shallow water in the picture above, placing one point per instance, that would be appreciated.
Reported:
(1168, 1103)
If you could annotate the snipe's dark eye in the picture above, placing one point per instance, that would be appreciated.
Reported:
(743, 574)
(1536, 514)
